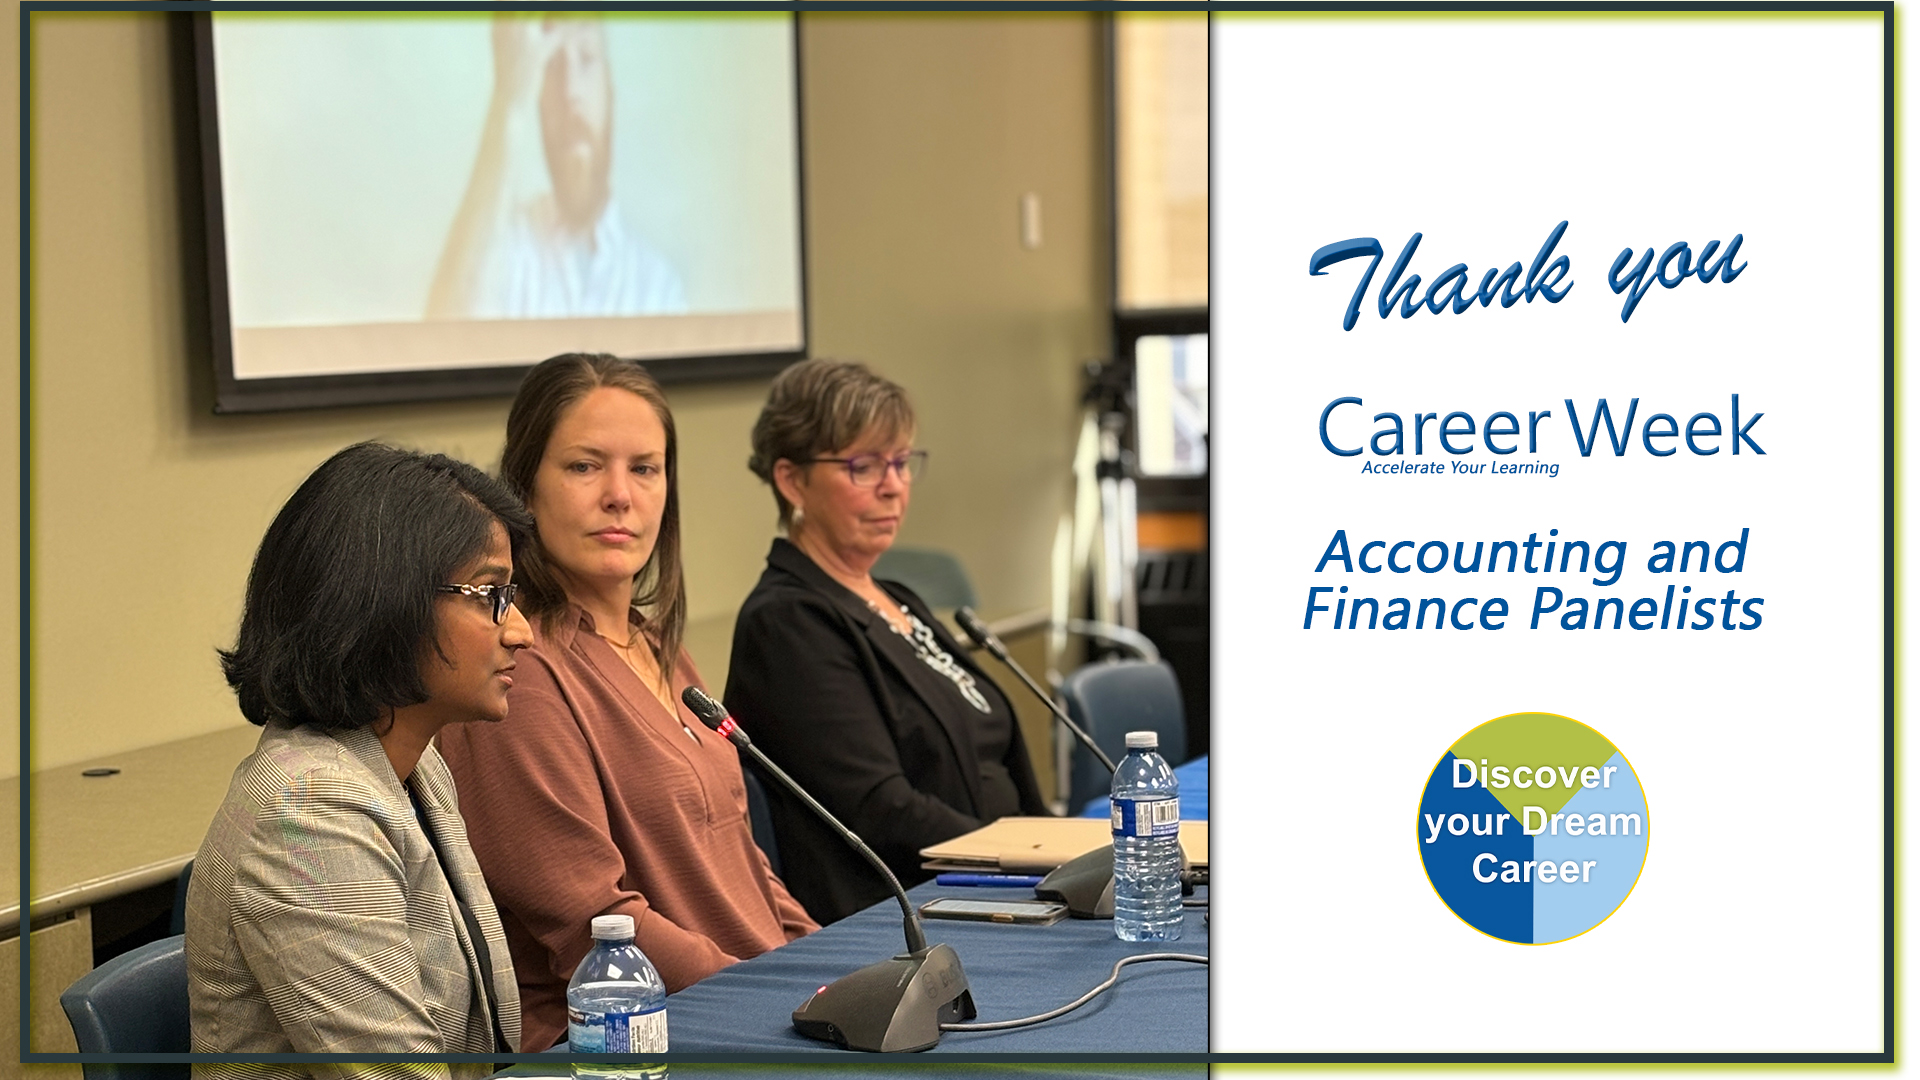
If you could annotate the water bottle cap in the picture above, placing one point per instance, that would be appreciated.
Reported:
(612, 927)
(1142, 740)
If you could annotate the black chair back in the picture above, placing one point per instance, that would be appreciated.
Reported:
(134, 1003)
(1111, 698)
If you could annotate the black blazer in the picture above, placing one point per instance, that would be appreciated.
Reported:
(839, 701)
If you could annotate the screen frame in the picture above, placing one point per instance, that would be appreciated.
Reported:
(276, 394)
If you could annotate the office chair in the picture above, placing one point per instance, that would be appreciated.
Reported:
(134, 1003)
(1111, 698)
(179, 922)
(936, 575)
(940, 579)
(759, 816)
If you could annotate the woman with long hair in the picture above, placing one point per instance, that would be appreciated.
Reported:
(606, 796)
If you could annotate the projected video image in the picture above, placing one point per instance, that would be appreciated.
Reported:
(539, 233)
(428, 192)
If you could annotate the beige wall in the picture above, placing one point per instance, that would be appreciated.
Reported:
(922, 134)
(9, 385)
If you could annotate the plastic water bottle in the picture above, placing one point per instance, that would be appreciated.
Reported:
(616, 1004)
(1146, 844)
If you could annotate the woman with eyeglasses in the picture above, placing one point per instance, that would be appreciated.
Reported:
(850, 683)
(335, 906)
(606, 796)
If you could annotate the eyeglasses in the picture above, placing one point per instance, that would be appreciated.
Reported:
(501, 596)
(868, 470)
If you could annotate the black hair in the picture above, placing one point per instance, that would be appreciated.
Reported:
(340, 605)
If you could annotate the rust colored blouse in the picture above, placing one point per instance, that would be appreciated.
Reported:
(591, 798)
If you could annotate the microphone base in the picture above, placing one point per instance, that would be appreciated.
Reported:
(893, 1006)
(1083, 883)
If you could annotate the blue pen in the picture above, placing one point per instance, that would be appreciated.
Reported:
(1003, 881)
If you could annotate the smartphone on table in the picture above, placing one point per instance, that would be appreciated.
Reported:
(1031, 912)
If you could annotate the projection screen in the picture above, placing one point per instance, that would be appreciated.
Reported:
(415, 206)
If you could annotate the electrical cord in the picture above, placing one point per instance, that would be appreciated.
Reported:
(1002, 1025)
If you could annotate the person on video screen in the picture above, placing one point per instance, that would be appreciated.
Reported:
(539, 233)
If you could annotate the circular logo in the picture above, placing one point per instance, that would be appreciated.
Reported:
(1533, 828)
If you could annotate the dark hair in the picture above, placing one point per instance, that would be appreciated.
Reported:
(818, 406)
(549, 390)
(340, 605)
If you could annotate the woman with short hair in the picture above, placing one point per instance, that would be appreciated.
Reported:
(605, 796)
(335, 905)
(849, 683)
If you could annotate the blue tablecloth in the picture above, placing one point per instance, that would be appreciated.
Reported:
(1014, 971)
(1193, 793)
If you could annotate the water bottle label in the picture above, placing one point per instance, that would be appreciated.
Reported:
(617, 1032)
(1146, 817)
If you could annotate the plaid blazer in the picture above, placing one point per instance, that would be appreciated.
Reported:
(319, 919)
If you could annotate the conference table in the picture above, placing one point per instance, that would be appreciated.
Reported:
(1014, 971)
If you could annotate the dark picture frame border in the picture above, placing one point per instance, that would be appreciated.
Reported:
(275, 394)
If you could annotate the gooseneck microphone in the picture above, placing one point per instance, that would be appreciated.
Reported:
(1085, 882)
(987, 640)
(894, 1005)
(715, 715)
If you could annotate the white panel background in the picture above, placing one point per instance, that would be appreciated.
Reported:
(1756, 925)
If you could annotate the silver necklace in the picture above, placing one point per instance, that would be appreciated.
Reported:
(927, 647)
